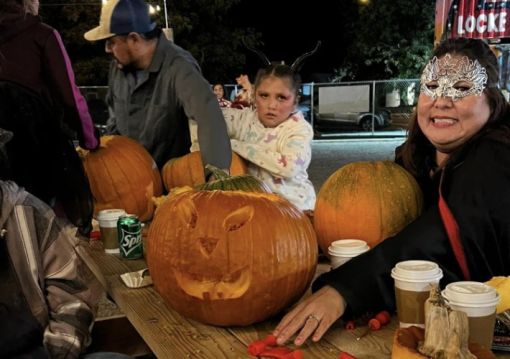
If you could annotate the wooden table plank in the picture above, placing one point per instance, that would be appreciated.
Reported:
(170, 335)
(167, 333)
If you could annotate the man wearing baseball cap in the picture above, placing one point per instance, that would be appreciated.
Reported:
(155, 87)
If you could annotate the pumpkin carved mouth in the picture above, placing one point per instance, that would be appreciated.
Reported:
(231, 286)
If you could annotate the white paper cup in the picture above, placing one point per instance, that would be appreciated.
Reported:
(413, 281)
(479, 302)
(344, 250)
(107, 219)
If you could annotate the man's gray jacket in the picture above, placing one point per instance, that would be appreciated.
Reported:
(153, 107)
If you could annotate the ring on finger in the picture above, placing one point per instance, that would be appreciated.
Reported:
(314, 317)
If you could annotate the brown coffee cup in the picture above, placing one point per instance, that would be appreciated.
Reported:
(413, 281)
(478, 301)
(108, 227)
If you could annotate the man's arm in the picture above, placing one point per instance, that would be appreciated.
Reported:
(111, 123)
(201, 105)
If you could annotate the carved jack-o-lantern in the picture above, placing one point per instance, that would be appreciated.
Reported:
(230, 258)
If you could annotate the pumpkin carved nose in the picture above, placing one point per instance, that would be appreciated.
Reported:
(208, 245)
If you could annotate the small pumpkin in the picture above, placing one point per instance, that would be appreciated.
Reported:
(370, 200)
(188, 170)
(122, 174)
(230, 257)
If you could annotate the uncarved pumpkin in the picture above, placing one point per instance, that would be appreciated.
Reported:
(366, 200)
(122, 174)
(188, 170)
(230, 257)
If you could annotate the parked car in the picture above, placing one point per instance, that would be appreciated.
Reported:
(361, 120)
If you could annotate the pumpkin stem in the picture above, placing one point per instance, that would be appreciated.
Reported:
(219, 174)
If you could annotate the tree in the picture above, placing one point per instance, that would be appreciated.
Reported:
(200, 26)
(390, 39)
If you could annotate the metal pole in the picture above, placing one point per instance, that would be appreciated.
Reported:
(166, 14)
(168, 31)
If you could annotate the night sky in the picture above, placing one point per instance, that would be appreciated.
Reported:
(290, 30)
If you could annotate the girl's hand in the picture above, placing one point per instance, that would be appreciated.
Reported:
(313, 316)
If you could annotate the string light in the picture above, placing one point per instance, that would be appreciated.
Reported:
(153, 10)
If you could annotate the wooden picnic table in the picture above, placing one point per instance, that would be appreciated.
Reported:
(170, 335)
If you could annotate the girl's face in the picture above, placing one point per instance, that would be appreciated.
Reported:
(275, 101)
(218, 91)
(452, 106)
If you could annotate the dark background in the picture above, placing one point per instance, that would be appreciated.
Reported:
(289, 30)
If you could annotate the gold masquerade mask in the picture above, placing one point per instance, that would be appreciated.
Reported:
(453, 77)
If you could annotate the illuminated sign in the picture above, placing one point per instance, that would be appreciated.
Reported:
(479, 19)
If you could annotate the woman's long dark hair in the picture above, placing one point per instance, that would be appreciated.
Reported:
(417, 153)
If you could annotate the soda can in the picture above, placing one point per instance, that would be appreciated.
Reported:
(129, 230)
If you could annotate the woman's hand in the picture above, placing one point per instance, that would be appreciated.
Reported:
(313, 316)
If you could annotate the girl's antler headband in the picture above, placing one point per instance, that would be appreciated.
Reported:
(296, 66)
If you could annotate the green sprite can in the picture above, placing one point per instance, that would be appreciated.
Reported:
(129, 230)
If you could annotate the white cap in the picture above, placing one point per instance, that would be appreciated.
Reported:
(110, 214)
(348, 247)
(471, 294)
(417, 271)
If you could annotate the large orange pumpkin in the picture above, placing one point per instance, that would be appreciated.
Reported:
(188, 170)
(230, 257)
(366, 200)
(122, 174)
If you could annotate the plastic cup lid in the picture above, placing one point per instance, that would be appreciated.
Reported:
(416, 271)
(348, 247)
(471, 294)
(110, 214)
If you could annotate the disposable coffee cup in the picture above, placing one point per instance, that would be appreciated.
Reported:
(107, 219)
(343, 250)
(478, 301)
(413, 281)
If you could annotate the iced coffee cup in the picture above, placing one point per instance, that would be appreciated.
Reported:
(107, 219)
(343, 250)
(479, 302)
(413, 281)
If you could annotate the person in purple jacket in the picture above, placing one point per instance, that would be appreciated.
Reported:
(42, 106)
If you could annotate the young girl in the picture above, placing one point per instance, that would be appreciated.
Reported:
(219, 91)
(274, 137)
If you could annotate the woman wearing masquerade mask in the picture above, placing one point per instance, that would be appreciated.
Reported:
(459, 146)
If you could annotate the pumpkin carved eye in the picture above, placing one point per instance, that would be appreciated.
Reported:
(238, 218)
(188, 214)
